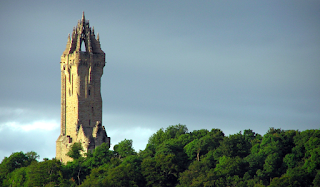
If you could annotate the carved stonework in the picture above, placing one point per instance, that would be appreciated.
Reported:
(81, 102)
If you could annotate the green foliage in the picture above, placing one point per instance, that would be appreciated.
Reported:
(157, 138)
(128, 173)
(75, 151)
(234, 145)
(42, 173)
(175, 131)
(124, 149)
(32, 156)
(196, 174)
(193, 149)
(229, 166)
(316, 180)
(176, 157)
(203, 144)
(271, 166)
(16, 178)
(76, 170)
(161, 170)
(10, 164)
(101, 155)
(173, 147)
(170, 133)
(294, 177)
(16, 160)
(122, 175)
(96, 176)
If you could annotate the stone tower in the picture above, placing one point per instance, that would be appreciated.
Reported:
(81, 102)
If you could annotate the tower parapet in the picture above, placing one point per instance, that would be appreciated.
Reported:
(81, 102)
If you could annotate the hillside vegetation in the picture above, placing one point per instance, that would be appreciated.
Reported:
(176, 157)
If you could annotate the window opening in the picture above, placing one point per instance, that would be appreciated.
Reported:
(83, 46)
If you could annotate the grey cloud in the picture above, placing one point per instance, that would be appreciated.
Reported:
(40, 141)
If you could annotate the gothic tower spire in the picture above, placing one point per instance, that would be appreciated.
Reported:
(81, 102)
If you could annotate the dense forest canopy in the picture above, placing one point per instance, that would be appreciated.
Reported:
(176, 157)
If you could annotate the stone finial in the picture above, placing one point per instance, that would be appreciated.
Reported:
(69, 38)
(83, 18)
(98, 39)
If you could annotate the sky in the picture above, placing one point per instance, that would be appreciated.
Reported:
(231, 65)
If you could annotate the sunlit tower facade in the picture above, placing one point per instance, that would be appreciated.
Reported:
(82, 65)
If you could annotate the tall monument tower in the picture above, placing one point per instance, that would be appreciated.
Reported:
(82, 65)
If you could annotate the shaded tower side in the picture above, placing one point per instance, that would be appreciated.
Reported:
(82, 66)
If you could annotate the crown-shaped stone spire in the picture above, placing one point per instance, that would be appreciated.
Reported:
(83, 33)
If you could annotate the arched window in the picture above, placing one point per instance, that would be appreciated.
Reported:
(83, 46)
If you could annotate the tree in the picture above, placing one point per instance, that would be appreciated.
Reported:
(184, 139)
(234, 145)
(161, 170)
(100, 155)
(32, 156)
(175, 131)
(96, 176)
(149, 171)
(197, 134)
(196, 174)
(193, 149)
(16, 178)
(298, 176)
(157, 138)
(121, 175)
(75, 151)
(204, 144)
(9, 164)
(173, 147)
(124, 149)
(271, 167)
(128, 173)
(250, 136)
(290, 160)
(312, 163)
(230, 166)
(171, 132)
(283, 181)
(41, 173)
(316, 181)
(77, 170)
